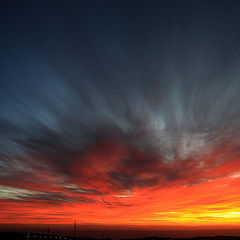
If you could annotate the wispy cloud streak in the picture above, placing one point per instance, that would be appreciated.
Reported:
(118, 111)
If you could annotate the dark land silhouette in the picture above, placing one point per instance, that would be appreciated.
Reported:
(41, 236)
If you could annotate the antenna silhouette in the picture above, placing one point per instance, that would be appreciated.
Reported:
(48, 233)
(75, 229)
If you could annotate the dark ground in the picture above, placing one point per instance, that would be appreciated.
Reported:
(40, 236)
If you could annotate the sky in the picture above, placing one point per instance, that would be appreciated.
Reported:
(120, 113)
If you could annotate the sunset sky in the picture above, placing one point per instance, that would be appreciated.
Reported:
(120, 113)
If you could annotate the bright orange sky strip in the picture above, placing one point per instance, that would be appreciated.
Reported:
(190, 200)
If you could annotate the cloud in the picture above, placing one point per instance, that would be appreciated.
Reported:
(118, 109)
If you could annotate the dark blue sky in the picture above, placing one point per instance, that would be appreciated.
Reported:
(160, 76)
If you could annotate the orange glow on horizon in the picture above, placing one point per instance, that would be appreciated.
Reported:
(190, 200)
(215, 202)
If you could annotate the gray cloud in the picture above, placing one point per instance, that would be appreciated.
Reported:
(164, 88)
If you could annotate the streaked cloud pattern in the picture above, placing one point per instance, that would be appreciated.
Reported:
(121, 113)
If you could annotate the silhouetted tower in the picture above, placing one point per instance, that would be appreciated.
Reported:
(48, 233)
(75, 229)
